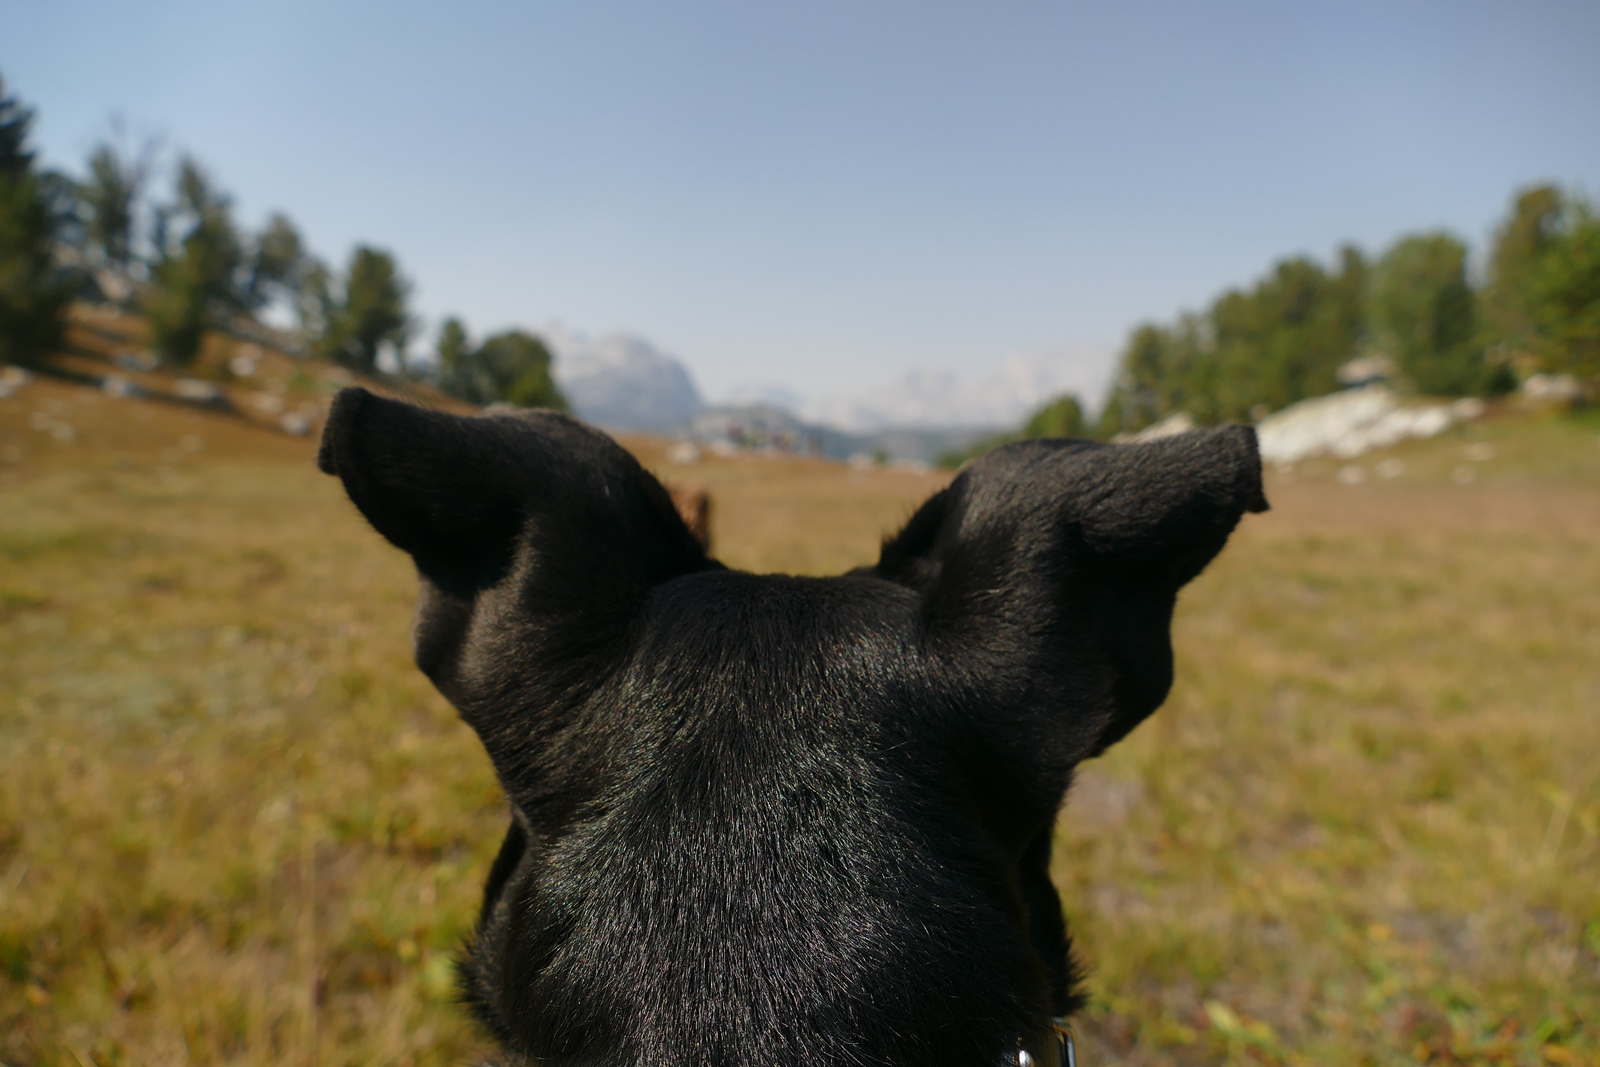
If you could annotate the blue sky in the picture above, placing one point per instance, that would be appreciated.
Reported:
(822, 195)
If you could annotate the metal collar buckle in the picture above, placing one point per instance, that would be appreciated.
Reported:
(1066, 1048)
(1068, 1054)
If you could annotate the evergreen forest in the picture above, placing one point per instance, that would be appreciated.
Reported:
(160, 238)
(1422, 315)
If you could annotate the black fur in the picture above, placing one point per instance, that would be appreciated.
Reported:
(777, 820)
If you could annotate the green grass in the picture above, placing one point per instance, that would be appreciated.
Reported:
(238, 827)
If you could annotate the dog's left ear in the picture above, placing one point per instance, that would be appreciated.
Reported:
(547, 513)
(1053, 566)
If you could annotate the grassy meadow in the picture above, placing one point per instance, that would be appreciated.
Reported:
(238, 827)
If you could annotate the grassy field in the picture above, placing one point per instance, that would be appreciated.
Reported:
(238, 827)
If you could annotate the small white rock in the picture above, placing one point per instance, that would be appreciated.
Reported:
(140, 361)
(115, 385)
(1464, 475)
(1351, 474)
(1560, 387)
(683, 453)
(197, 390)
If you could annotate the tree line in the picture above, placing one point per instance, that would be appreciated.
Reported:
(1417, 312)
(185, 264)
(1415, 315)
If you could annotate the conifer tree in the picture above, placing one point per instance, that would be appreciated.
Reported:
(511, 367)
(195, 280)
(1425, 313)
(371, 313)
(110, 196)
(1061, 417)
(34, 292)
(453, 356)
(1564, 298)
(1519, 246)
(277, 263)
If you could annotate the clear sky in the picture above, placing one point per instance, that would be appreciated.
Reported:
(823, 194)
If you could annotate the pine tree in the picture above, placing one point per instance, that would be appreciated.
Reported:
(1520, 244)
(196, 283)
(34, 292)
(277, 263)
(1564, 297)
(110, 197)
(372, 313)
(518, 364)
(1425, 312)
(1061, 417)
(453, 356)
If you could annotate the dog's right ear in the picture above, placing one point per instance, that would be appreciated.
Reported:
(1056, 564)
(534, 505)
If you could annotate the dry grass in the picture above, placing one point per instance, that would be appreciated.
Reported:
(237, 827)
(1366, 828)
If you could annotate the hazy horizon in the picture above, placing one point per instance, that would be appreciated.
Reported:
(825, 198)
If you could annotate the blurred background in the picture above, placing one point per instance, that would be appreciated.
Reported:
(805, 261)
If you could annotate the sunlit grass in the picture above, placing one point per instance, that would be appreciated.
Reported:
(1366, 828)
(238, 827)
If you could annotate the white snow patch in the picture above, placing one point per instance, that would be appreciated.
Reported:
(1348, 424)
(1171, 426)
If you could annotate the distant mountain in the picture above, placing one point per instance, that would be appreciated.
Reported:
(767, 395)
(627, 383)
(766, 427)
(622, 382)
(936, 399)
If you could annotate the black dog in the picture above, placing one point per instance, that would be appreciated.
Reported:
(759, 819)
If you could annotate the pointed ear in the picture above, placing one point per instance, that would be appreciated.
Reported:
(427, 482)
(534, 500)
(1061, 560)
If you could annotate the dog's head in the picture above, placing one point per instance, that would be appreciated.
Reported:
(767, 819)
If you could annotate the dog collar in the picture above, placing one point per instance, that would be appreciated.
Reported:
(1066, 1048)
